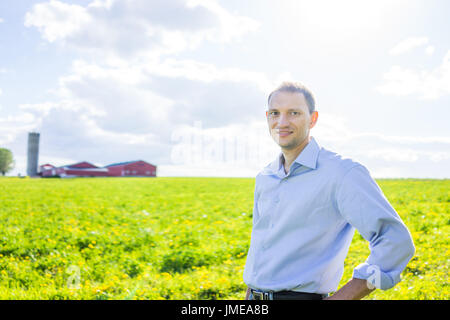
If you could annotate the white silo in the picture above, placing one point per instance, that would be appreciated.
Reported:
(33, 154)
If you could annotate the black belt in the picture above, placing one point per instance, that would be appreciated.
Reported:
(286, 295)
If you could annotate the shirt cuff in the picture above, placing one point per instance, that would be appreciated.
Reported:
(374, 276)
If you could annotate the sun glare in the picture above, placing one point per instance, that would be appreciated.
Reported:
(328, 17)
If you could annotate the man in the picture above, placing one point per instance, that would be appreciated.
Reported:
(308, 203)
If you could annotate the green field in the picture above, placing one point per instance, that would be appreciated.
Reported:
(177, 238)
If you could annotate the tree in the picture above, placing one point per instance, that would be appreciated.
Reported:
(6, 160)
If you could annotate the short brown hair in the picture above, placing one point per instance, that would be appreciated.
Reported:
(288, 86)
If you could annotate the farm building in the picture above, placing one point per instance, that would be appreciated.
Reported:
(46, 166)
(137, 168)
(80, 169)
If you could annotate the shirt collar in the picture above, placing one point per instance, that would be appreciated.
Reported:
(308, 158)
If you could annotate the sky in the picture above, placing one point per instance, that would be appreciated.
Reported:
(183, 84)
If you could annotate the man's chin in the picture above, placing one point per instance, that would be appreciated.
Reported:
(286, 145)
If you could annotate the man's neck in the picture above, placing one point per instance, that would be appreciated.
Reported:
(290, 155)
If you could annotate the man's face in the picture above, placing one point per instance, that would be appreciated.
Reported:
(289, 119)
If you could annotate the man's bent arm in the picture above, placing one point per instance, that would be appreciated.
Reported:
(362, 204)
(355, 289)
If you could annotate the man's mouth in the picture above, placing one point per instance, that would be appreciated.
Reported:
(284, 133)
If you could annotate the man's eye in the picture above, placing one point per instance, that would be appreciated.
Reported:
(295, 113)
(273, 113)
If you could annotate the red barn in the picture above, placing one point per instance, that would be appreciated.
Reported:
(136, 168)
(80, 169)
(45, 167)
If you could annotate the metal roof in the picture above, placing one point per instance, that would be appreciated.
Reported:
(123, 163)
(109, 165)
(74, 164)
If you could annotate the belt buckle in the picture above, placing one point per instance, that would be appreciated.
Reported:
(262, 295)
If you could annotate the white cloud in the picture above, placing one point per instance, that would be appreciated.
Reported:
(243, 150)
(164, 93)
(11, 126)
(1, 20)
(57, 20)
(407, 140)
(134, 94)
(408, 45)
(340, 17)
(386, 156)
(231, 26)
(42, 109)
(127, 100)
(137, 27)
(429, 50)
(427, 84)
(394, 154)
(204, 72)
(1, 92)
(439, 156)
(126, 111)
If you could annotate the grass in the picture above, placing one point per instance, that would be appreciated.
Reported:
(176, 238)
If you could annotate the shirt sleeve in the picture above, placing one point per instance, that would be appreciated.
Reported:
(362, 204)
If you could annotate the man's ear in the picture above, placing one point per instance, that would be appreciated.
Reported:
(314, 117)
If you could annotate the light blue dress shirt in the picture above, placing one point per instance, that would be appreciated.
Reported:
(304, 222)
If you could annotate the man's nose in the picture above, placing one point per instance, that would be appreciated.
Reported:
(283, 120)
